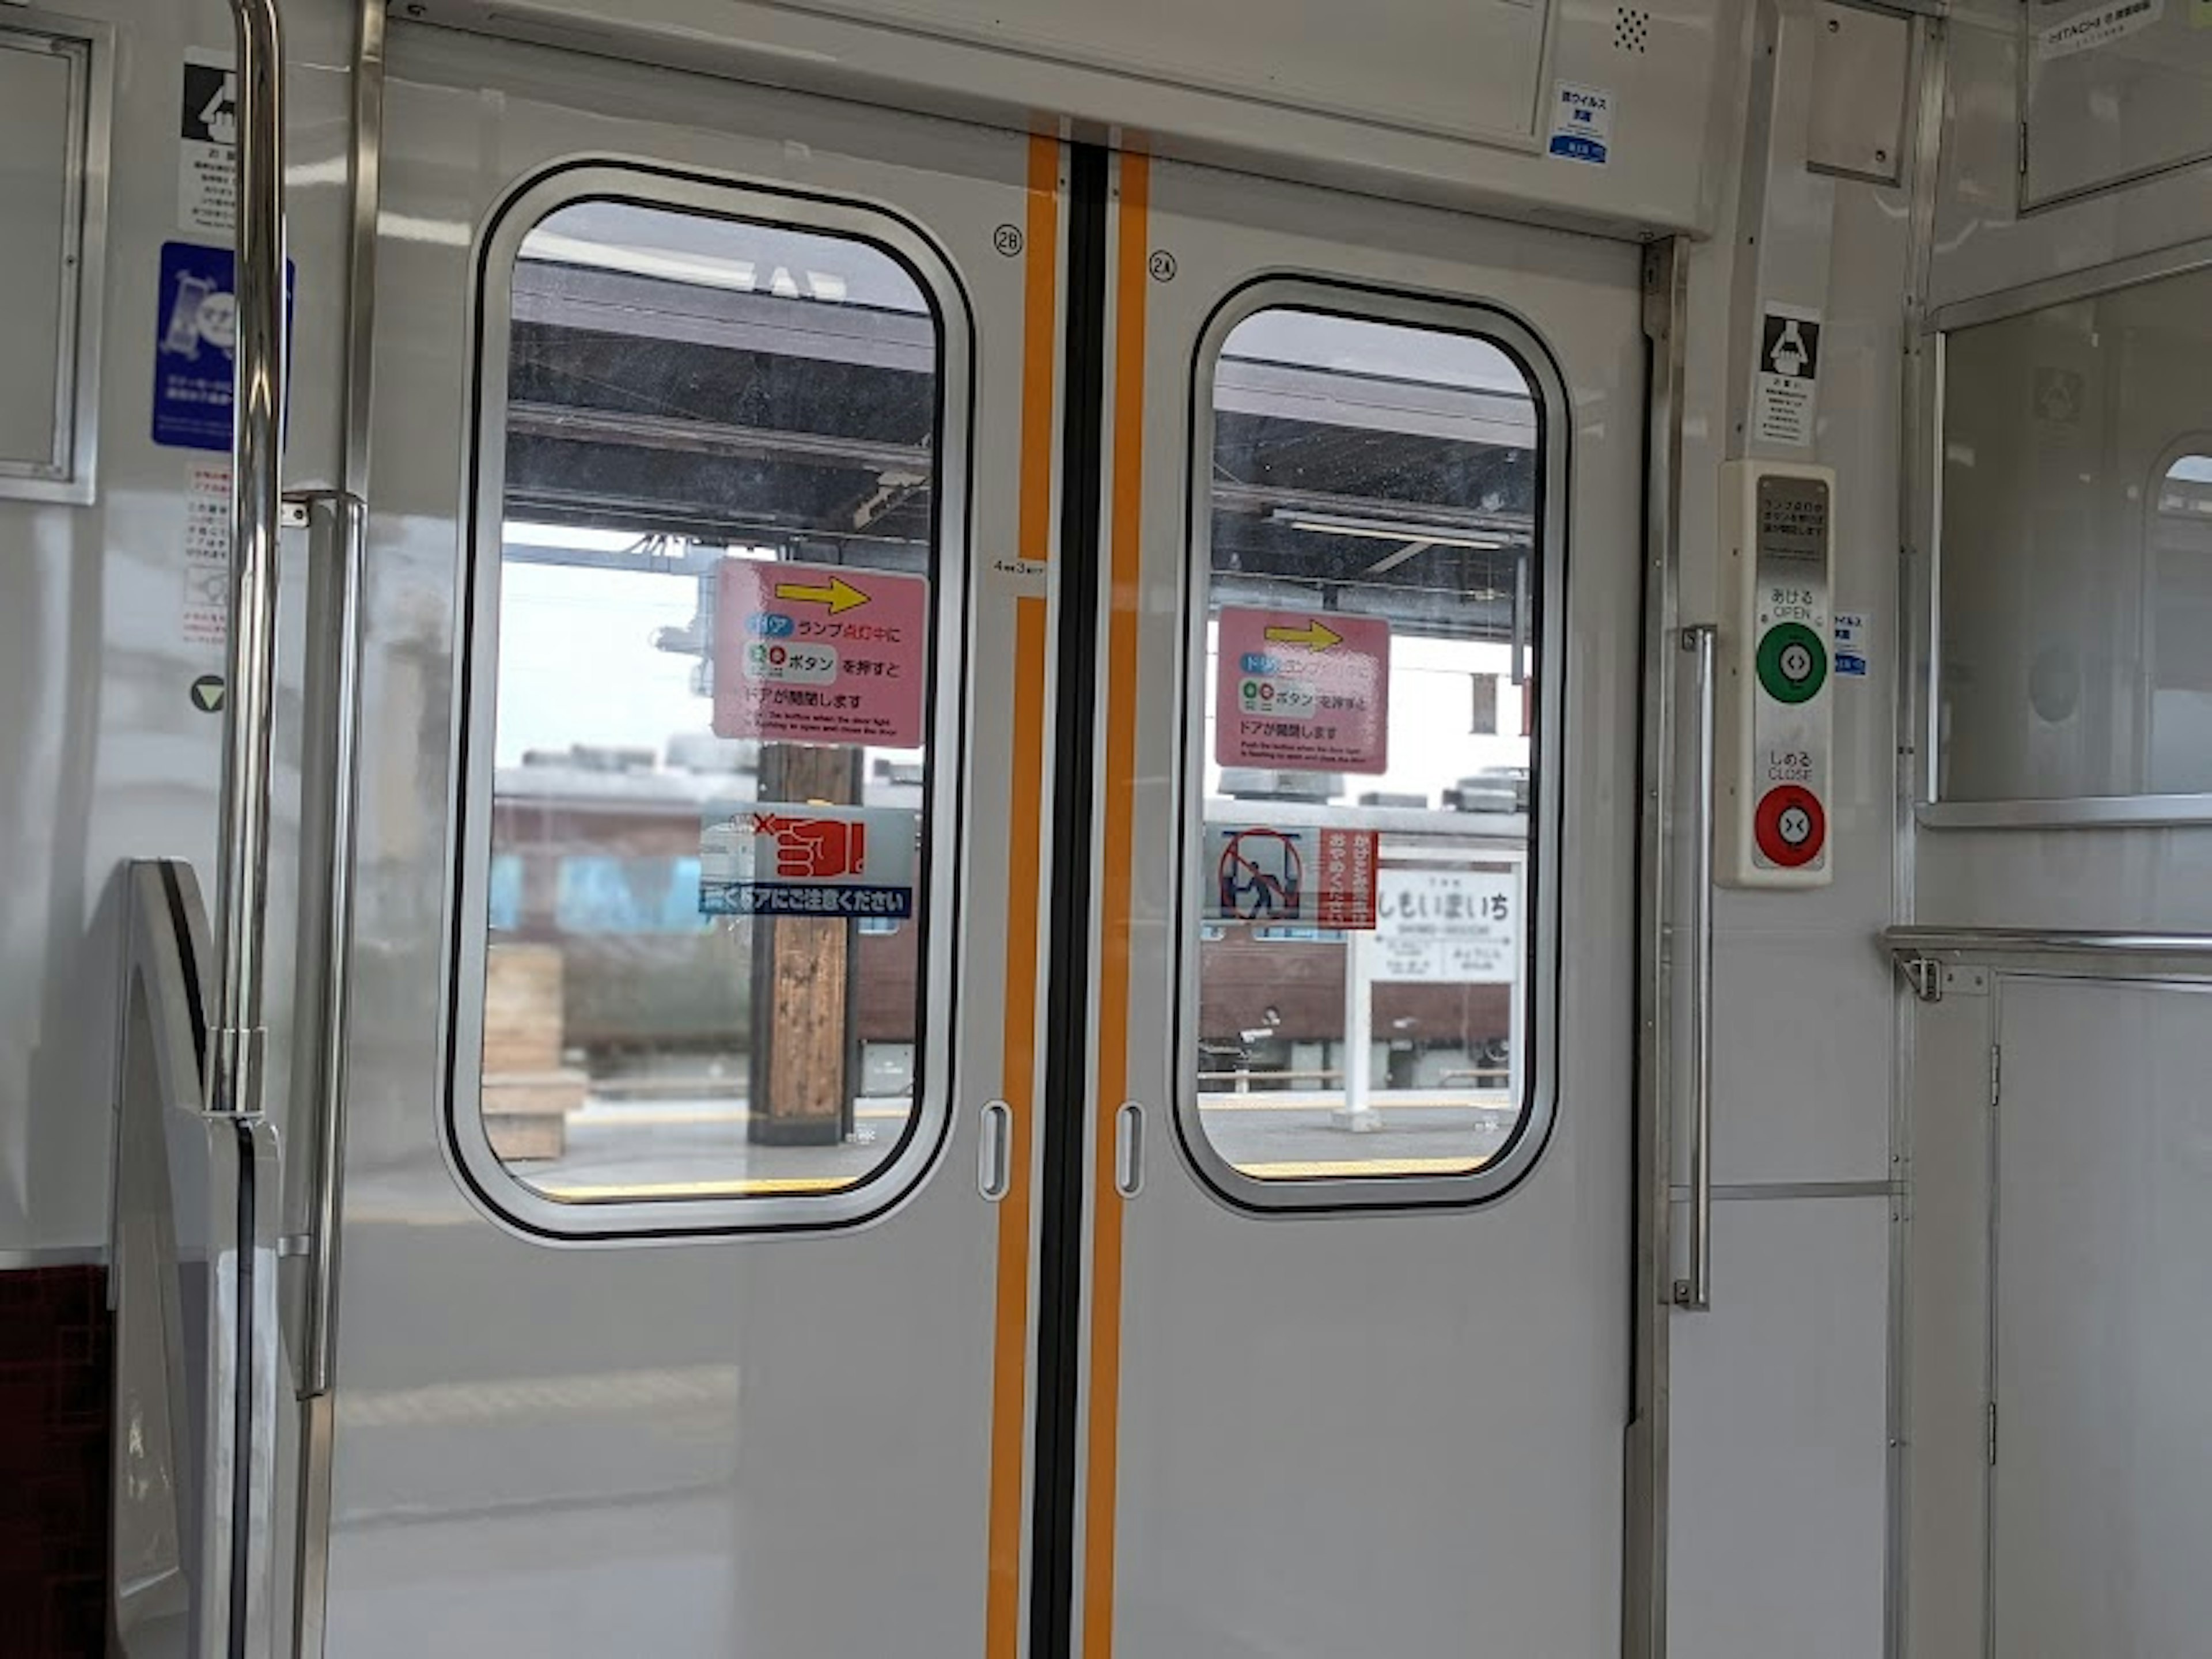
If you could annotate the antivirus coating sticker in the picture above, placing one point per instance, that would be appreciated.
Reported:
(1582, 124)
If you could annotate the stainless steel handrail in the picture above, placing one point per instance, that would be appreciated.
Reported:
(1907, 942)
(238, 1043)
(1696, 1292)
(2188, 950)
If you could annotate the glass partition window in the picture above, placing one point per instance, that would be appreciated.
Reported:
(2075, 565)
(1363, 877)
(709, 812)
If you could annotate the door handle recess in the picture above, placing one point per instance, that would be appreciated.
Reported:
(994, 1156)
(1129, 1149)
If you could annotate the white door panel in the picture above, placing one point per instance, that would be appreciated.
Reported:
(1390, 1423)
(767, 1444)
(1372, 1430)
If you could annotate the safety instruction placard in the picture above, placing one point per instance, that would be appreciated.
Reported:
(820, 654)
(207, 144)
(1300, 877)
(1448, 926)
(778, 859)
(204, 612)
(195, 346)
(1787, 394)
(1302, 690)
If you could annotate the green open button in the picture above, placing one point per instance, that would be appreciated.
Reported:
(1793, 664)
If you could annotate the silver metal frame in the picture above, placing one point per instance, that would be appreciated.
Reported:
(2174, 261)
(70, 475)
(1695, 1292)
(1918, 477)
(1645, 1483)
(1489, 322)
(316, 1425)
(505, 1200)
(1931, 810)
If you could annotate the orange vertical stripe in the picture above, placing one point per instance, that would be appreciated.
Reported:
(1116, 787)
(1039, 347)
(1026, 822)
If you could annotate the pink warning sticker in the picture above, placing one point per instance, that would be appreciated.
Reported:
(1301, 690)
(820, 654)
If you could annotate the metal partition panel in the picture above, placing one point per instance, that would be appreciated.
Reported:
(1946, 1467)
(2101, 1480)
(192, 1259)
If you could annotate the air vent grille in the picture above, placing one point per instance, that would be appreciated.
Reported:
(1631, 29)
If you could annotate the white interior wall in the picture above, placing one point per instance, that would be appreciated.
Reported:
(2109, 878)
(103, 755)
(1040, 64)
(1779, 1531)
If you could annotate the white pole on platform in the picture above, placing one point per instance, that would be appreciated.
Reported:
(1357, 1113)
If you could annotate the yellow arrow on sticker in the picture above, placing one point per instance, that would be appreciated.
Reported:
(840, 595)
(1314, 635)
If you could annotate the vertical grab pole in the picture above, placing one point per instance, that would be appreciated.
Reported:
(1696, 1292)
(238, 1049)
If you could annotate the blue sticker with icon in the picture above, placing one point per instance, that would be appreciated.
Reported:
(195, 346)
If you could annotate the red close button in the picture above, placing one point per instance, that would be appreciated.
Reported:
(1791, 826)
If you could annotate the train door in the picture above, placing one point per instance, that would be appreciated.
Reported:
(1356, 1182)
(684, 1273)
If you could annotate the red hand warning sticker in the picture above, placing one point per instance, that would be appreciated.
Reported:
(1302, 690)
(820, 654)
(779, 860)
(1309, 877)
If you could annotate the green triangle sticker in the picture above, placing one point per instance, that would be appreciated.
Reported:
(207, 694)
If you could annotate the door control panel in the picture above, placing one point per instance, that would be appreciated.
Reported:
(1777, 545)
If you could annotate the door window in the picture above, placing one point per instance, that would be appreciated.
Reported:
(714, 441)
(1374, 561)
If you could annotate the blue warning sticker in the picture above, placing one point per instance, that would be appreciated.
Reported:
(195, 346)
